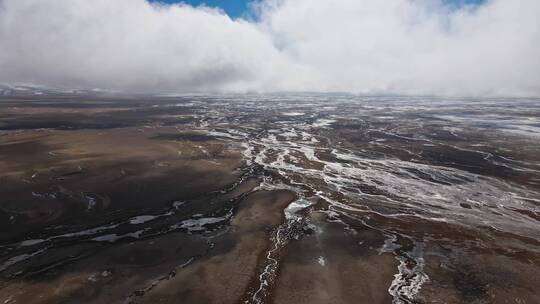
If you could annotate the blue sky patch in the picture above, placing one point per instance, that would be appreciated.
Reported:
(237, 8)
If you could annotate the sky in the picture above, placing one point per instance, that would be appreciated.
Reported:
(240, 8)
(233, 8)
(415, 47)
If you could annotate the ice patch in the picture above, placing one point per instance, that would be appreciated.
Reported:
(294, 113)
(142, 219)
(197, 224)
(19, 258)
(111, 238)
(410, 277)
(323, 123)
(30, 242)
(291, 212)
(178, 204)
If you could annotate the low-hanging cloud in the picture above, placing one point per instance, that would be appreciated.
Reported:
(360, 46)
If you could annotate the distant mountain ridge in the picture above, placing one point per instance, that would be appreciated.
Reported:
(29, 90)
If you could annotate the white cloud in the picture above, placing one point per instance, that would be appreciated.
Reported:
(369, 46)
(132, 45)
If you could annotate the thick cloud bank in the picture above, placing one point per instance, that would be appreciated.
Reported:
(361, 46)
